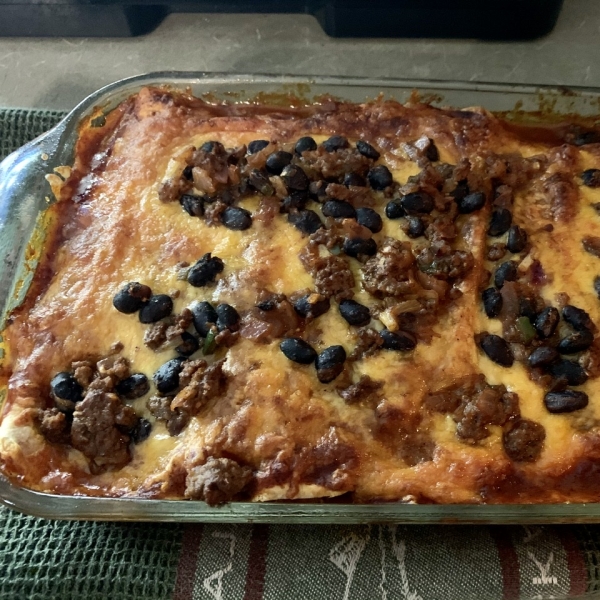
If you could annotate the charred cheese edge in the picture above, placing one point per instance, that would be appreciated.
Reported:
(275, 416)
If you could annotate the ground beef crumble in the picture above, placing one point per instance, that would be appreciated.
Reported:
(160, 335)
(264, 326)
(54, 425)
(97, 429)
(334, 279)
(101, 424)
(364, 390)
(217, 481)
(200, 384)
(175, 420)
(83, 371)
(332, 274)
(389, 272)
(475, 405)
(523, 440)
(367, 344)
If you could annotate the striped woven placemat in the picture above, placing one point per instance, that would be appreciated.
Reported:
(41, 560)
(46, 560)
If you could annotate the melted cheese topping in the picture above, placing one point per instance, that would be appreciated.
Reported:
(274, 410)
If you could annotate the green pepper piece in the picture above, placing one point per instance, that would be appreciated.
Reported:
(526, 329)
(210, 344)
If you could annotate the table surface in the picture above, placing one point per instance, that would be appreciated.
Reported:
(57, 73)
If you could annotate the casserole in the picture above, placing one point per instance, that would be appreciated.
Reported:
(66, 162)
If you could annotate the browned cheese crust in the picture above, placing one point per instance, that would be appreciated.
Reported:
(426, 399)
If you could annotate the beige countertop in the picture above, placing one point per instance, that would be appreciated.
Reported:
(57, 73)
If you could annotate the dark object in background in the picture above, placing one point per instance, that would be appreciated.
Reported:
(483, 19)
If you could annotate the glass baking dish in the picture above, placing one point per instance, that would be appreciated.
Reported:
(25, 193)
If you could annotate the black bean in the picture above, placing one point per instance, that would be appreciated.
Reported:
(497, 350)
(354, 179)
(471, 202)
(576, 342)
(587, 137)
(330, 363)
(380, 177)
(546, 322)
(500, 221)
(257, 145)
(268, 304)
(305, 144)
(415, 227)
(517, 239)
(492, 302)
(141, 431)
(417, 202)
(461, 189)
(292, 202)
(298, 350)
(596, 285)
(205, 270)
(193, 205)
(367, 150)
(212, 147)
(527, 309)
(368, 218)
(591, 244)
(573, 373)
(591, 178)
(132, 297)
(157, 308)
(189, 344)
(338, 209)
(295, 178)
(227, 317)
(312, 305)
(188, 173)
(542, 357)
(166, 377)
(394, 210)
(335, 142)
(134, 386)
(566, 401)
(277, 161)
(204, 317)
(401, 341)
(507, 271)
(296, 200)
(65, 387)
(236, 218)
(577, 318)
(356, 247)
(316, 190)
(431, 151)
(259, 180)
(244, 188)
(307, 221)
(355, 313)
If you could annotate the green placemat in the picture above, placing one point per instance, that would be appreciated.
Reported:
(20, 126)
(47, 560)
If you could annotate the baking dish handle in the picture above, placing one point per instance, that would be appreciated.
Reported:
(24, 193)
